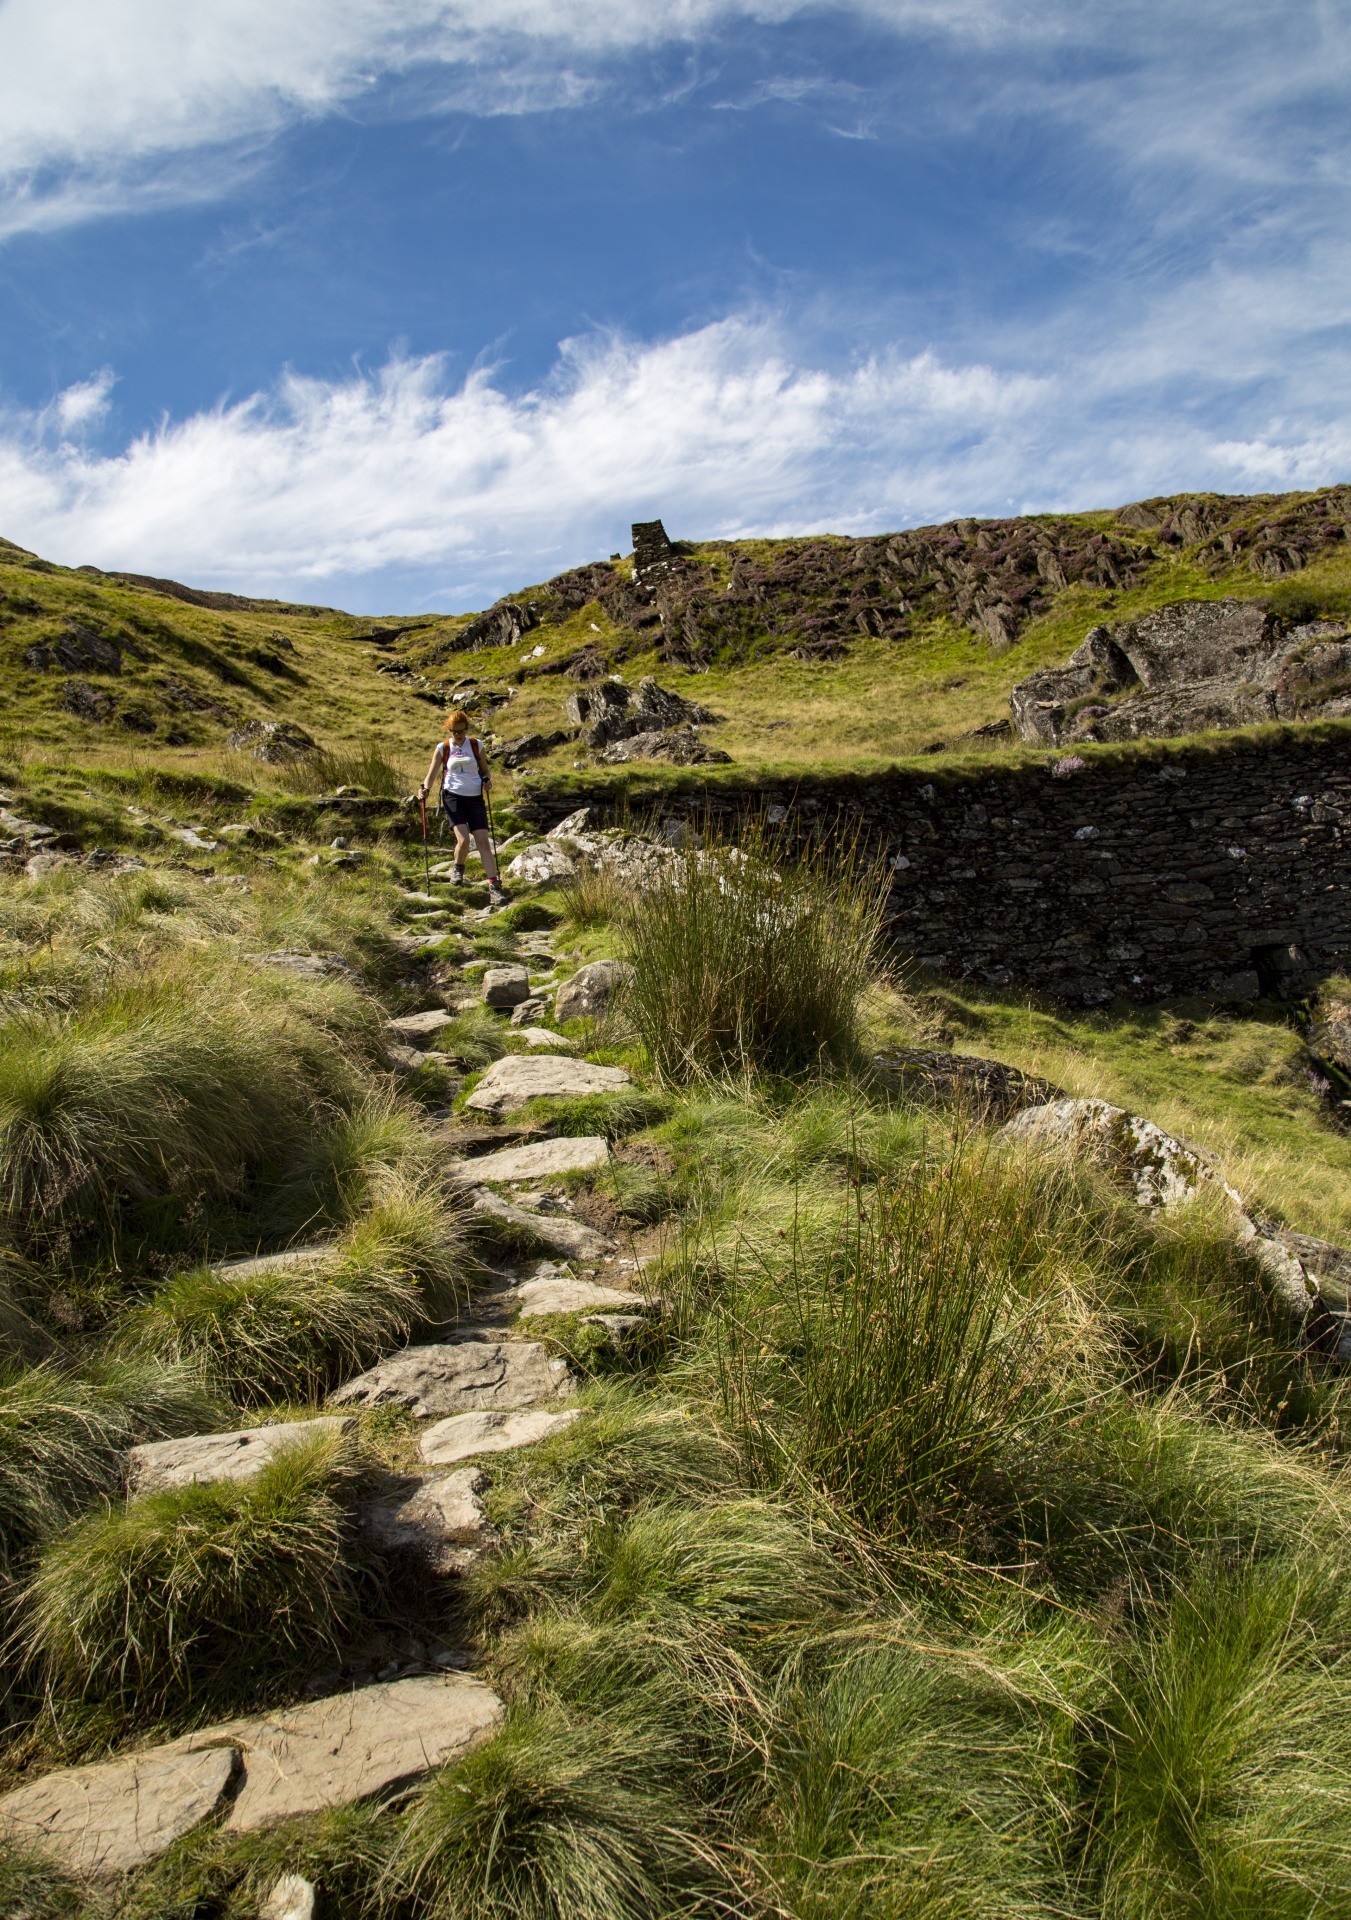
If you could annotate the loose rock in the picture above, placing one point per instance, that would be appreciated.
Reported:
(460, 1376)
(438, 1521)
(505, 986)
(565, 1236)
(516, 1078)
(291, 1899)
(417, 1029)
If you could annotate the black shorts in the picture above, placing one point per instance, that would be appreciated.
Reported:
(466, 810)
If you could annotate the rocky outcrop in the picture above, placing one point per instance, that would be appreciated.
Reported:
(1160, 1170)
(1187, 668)
(681, 746)
(610, 713)
(516, 1078)
(274, 741)
(989, 1088)
(460, 1376)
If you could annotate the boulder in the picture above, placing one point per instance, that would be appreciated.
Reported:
(568, 1237)
(465, 1435)
(560, 1293)
(590, 990)
(541, 865)
(274, 741)
(438, 1521)
(204, 1457)
(109, 1818)
(992, 1089)
(516, 1078)
(543, 1158)
(1187, 667)
(505, 986)
(350, 1745)
(419, 1029)
(1160, 1170)
(460, 1376)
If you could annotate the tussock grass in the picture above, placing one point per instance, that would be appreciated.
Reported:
(744, 962)
(298, 1331)
(595, 896)
(368, 767)
(63, 1436)
(200, 1591)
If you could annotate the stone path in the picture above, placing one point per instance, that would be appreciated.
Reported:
(465, 1435)
(518, 1077)
(462, 1376)
(569, 1237)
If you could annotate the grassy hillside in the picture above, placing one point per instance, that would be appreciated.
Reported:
(825, 651)
(960, 1541)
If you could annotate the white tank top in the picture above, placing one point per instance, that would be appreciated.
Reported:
(460, 773)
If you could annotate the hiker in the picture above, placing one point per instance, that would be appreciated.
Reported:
(464, 778)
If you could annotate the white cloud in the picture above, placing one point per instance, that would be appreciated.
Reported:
(82, 406)
(376, 490)
(329, 482)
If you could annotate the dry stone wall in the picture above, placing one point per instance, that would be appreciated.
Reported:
(1222, 869)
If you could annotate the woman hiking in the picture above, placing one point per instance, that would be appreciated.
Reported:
(464, 778)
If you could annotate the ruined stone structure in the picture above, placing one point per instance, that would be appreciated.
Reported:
(1222, 869)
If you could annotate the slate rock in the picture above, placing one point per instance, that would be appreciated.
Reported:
(204, 1457)
(516, 1078)
(505, 986)
(460, 1376)
(439, 1521)
(560, 1293)
(464, 1435)
(418, 1029)
(568, 1237)
(114, 1816)
(993, 1089)
(589, 991)
(542, 1158)
(349, 1745)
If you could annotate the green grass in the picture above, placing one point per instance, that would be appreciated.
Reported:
(743, 961)
(200, 1592)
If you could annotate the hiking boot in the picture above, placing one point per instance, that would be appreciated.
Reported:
(457, 876)
(497, 894)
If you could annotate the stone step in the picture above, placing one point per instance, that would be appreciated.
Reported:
(518, 1077)
(204, 1457)
(108, 1818)
(465, 1435)
(543, 1158)
(461, 1376)
(437, 1520)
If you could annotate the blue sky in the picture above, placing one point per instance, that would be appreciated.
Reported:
(400, 303)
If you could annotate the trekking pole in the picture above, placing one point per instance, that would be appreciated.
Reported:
(492, 831)
(426, 857)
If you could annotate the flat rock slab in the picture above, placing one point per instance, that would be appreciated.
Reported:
(204, 1457)
(543, 1037)
(439, 1521)
(117, 1815)
(518, 1077)
(555, 1230)
(333, 1751)
(561, 1294)
(416, 1029)
(465, 1435)
(460, 1376)
(544, 1157)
